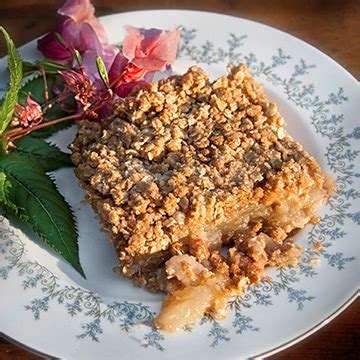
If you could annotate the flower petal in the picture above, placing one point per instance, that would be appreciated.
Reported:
(117, 67)
(167, 45)
(50, 46)
(85, 38)
(151, 49)
(109, 53)
(128, 78)
(33, 105)
(150, 63)
(124, 89)
(28, 115)
(52, 49)
(78, 10)
(80, 37)
(137, 39)
(82, 11)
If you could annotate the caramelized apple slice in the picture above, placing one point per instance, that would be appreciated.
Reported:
(184, 307)
(204, 293)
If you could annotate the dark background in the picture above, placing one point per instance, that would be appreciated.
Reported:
(331, 26)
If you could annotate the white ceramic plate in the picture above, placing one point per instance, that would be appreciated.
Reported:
(45, 305)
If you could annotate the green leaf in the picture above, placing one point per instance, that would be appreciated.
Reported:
(48, 157)
(50, 67)
(15, 68)
(3, 146)
(35, 88)
(4, 190)
(2, 186)
(40, 204)
(102, 70)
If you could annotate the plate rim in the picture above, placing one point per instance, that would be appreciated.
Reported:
(319, 52)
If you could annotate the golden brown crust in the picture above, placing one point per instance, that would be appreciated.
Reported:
(186, 166)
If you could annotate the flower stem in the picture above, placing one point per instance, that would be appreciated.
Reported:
(57, 99)
(16, 134)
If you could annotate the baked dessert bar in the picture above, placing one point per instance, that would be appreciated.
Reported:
(199, 187)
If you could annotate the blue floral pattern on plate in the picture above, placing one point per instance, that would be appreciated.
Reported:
(341, 157)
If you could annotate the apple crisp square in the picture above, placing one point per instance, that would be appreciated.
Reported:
(199, 187)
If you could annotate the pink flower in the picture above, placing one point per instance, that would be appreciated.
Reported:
(92, 100)
(78, 83)
(124, 76)
(144, 53)
(82, 11)
(117, 68)
(81, 37)
(152, 49)
(81, 31)
(29, 115)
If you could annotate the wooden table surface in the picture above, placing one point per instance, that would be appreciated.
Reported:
(331, 26)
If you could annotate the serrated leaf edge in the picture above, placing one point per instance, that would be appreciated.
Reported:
(42, 236)
(59, 163)
(15, 80)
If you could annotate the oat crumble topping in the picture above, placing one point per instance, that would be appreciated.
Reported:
(198, 185)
